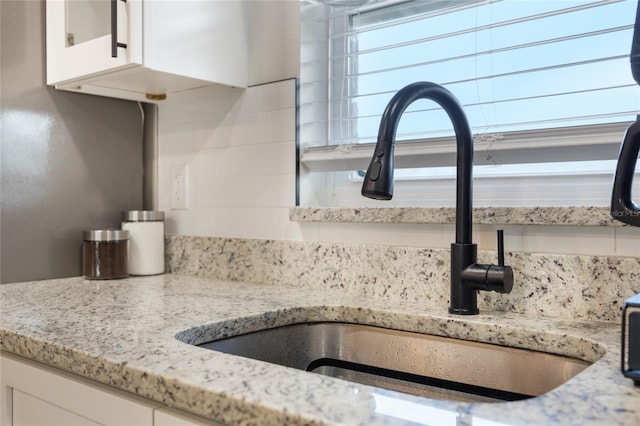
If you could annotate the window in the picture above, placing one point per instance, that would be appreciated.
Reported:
(546, 86)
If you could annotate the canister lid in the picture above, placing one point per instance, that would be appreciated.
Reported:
(142, 216)
(106, 235)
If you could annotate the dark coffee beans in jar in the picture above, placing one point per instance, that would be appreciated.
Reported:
(105, 254)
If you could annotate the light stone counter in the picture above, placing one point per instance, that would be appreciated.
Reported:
(123, 333)
(566, 216)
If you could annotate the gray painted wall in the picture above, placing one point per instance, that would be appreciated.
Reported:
(68, 161)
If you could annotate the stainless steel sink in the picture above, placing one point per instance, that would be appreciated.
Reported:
(415, 363)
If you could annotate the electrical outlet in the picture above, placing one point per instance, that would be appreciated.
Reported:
(179, 187)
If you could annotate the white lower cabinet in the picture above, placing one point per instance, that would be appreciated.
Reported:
(37, 395)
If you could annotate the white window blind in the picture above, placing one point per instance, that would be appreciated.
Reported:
(540, 81)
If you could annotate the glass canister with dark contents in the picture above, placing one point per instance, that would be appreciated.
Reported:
(105, 254)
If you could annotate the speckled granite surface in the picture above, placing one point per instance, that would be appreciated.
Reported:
(122, 333)
(582, 216)
(568, 286)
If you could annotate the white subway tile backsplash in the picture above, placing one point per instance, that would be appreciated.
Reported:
(411, 235)
(210, 164)
(285, 190)
(213, 193)
(254, 129)
(199, 222)
(597, 240)
(252, 191)
(265, 98)
(627, 241)
(274, 96)
(262, 223)
(211, 221)
(176, 139)
(240, 151)
(240, 130)
(201, 104)
(233, 222)
(283, 125)
(215, 134)
(259, 160)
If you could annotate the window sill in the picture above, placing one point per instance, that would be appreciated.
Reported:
(565, 216)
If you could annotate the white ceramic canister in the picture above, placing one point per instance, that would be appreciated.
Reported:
(146, 241)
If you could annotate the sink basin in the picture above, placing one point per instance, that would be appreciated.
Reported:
(420, 364)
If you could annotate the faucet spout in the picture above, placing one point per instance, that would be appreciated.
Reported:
(467, 277)
(378, 182)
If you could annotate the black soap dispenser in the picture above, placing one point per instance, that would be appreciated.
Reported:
(631, 339)
(625, 210)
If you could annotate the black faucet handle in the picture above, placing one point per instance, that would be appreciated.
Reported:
(500, 277)
(500, 247)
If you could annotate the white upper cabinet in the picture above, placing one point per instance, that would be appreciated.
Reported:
(146, 50)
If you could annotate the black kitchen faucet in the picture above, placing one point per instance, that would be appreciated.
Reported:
(467, 276)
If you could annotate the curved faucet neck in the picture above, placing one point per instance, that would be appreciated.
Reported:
(464, 143)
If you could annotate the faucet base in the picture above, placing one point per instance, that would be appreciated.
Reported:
(463, 311)
(464, 298)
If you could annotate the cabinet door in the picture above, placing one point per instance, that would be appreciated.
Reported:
(30, 411)
(31, 392)
(80, 41)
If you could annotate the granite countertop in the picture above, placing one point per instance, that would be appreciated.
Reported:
(123, 333)
(565, 216)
